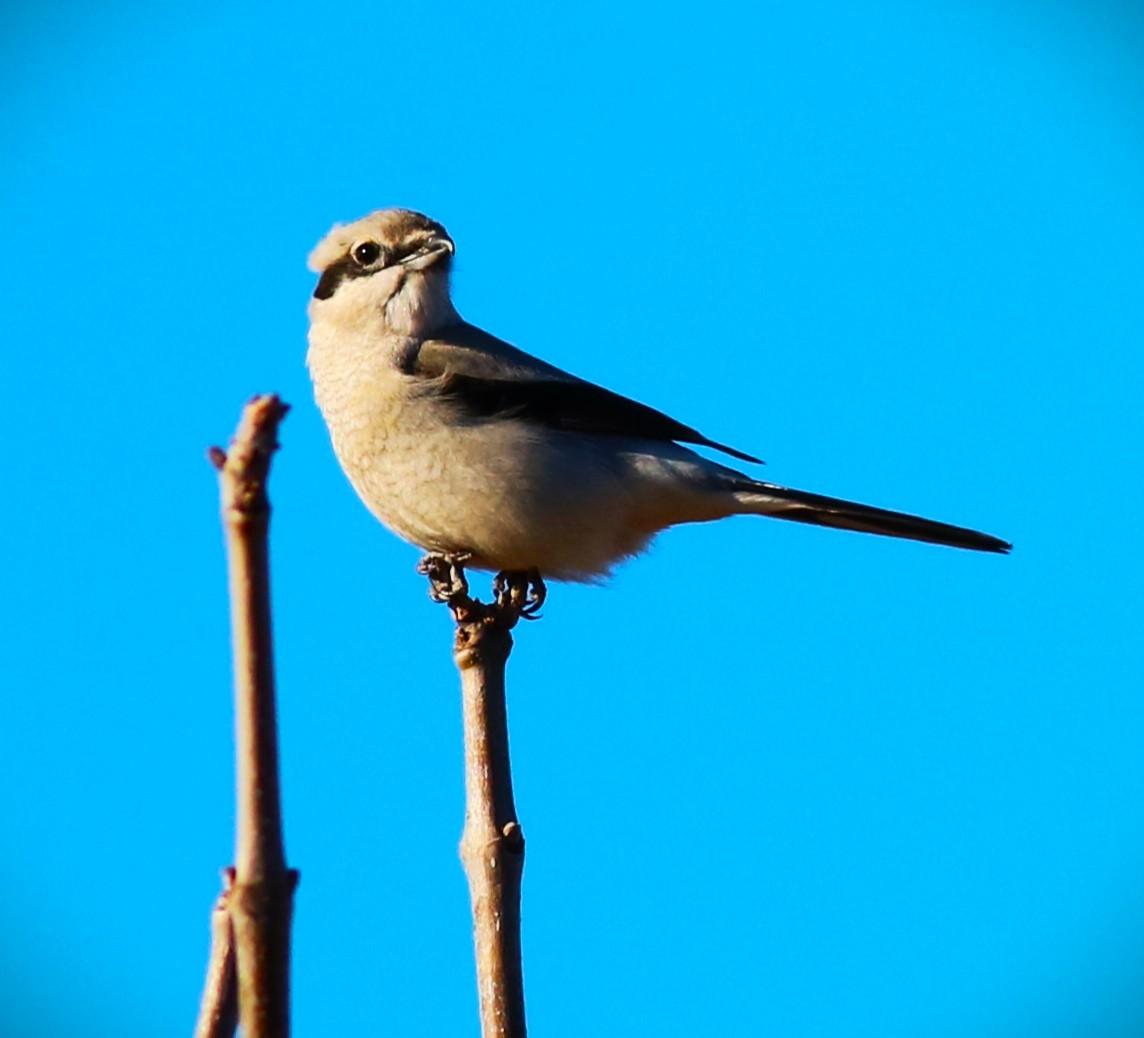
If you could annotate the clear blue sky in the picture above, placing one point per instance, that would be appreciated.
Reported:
(775, 780)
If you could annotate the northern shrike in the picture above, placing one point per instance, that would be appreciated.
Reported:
(467, 446)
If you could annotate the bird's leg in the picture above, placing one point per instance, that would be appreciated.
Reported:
(523, 591)
(446, 573)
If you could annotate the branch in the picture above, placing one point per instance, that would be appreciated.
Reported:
(492, 845)
(218, 1012)
(261, 899)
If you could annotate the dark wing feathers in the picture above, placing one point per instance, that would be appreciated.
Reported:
(489, 377)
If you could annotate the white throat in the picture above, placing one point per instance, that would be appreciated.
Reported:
(420, 305)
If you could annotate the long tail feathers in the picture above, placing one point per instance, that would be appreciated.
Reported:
(801, 507)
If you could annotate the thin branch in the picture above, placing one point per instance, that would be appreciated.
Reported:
(492, 844)
(261, 900)
(218, 1012)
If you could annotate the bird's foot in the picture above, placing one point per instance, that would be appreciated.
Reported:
(522, 591)
(516, 593)
(446, 572)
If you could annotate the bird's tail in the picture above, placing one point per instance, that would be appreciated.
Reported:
(800, 507)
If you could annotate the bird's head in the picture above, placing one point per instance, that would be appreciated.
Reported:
(391, 266)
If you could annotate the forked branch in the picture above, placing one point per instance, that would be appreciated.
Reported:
(260, 900)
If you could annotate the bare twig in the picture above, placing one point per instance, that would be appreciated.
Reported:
(218, 1012)
(261, 899)
(492, 845)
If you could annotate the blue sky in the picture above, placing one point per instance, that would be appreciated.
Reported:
(774, 779)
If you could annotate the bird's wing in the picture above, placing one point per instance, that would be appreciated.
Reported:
(488, 377)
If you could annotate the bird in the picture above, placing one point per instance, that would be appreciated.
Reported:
(472, 449)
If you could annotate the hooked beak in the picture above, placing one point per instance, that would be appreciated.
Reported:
(432, 252)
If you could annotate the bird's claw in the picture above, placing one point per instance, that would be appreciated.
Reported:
(522, 591)
(446, 573)
(516, 593)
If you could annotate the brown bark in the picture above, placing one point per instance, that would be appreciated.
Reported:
(261, 899)
(492, 845)
(218, 1011)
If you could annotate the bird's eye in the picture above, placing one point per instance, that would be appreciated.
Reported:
(366, 253)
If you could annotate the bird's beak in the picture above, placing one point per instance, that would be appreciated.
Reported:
(433, 251)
